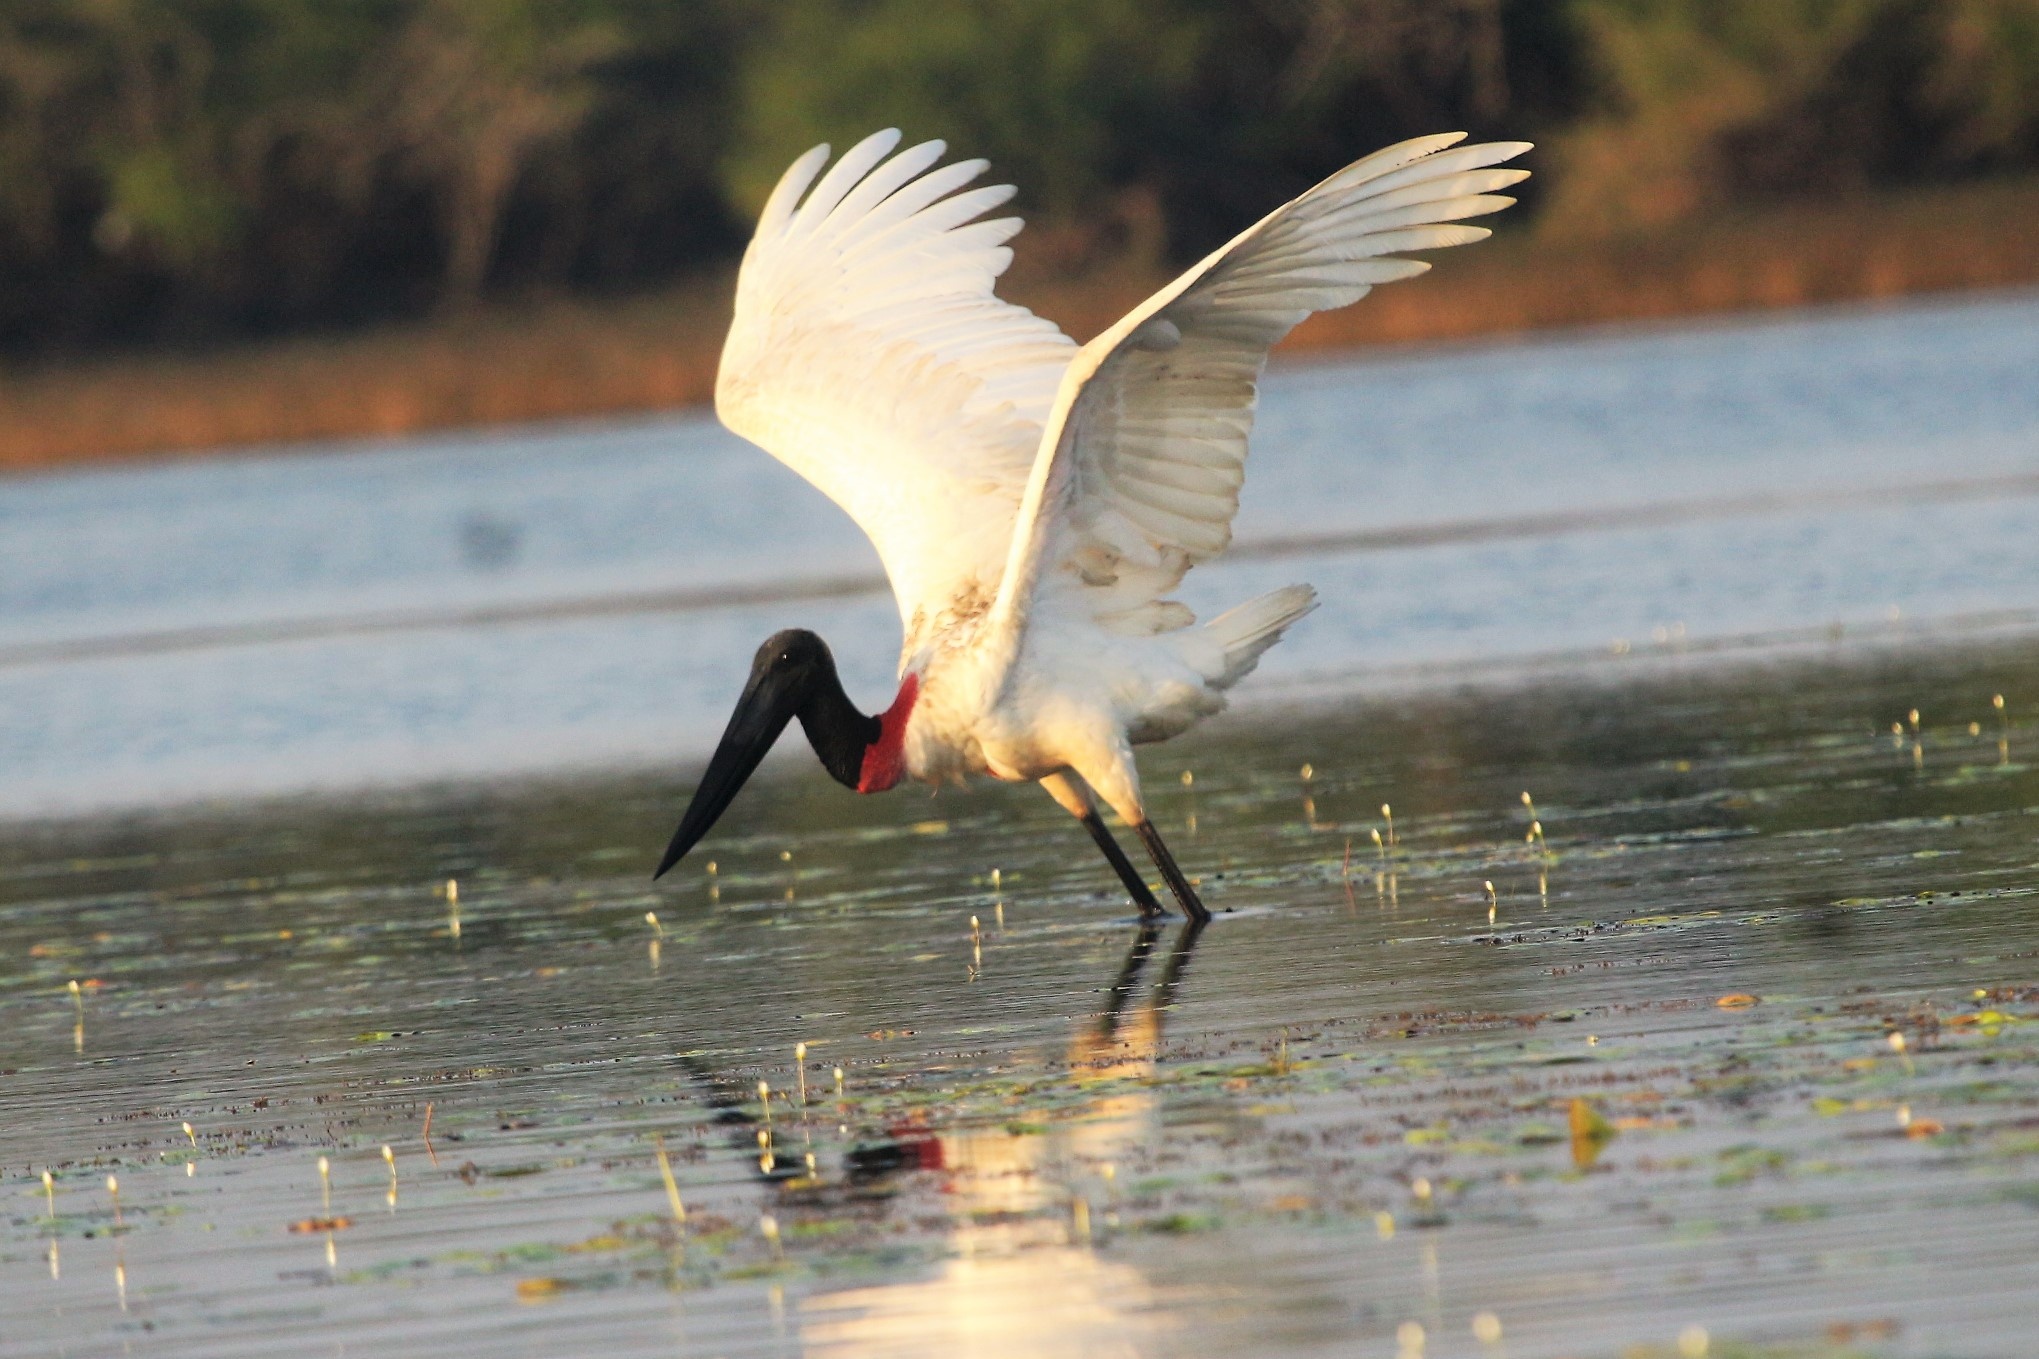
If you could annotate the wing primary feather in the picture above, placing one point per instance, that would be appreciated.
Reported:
(875, 187)
(1445, 162)
(778, 209)
(899, 209)
(1390, 158)
(855, 163)
(1442, 188)
(957, 209)
(1377, 220)
(1430, 237)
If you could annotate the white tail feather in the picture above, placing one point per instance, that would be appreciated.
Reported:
(1250, 629)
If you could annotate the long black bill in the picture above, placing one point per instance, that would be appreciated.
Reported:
(768, 704)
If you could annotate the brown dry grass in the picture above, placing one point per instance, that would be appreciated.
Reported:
(1983, 236)
(497, 367)
(562, 359)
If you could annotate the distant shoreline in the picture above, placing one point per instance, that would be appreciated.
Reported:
(512, 365)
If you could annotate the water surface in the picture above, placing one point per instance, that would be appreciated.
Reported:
(1343, 1111)
(1739, 1058)
(585, 596)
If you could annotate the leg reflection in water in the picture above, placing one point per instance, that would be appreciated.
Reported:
(1122, 1041)
(1006, 1209)
(1142, 1035)
(1027, 1199)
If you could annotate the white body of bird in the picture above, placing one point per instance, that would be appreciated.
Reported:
(1035, 502)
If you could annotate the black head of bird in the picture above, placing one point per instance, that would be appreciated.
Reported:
(793, 675)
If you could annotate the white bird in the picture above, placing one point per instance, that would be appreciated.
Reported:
(1034, 501)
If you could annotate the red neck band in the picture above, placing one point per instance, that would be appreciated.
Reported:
(885, 758)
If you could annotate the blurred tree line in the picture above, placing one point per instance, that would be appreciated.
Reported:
(173, 170)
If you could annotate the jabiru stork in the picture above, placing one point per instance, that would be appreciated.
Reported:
(1034, 501)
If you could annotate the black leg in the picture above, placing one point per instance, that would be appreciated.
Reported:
(1178, 884)
(1116, 857)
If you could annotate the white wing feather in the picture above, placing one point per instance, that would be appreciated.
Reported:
(869, 354)
(1138, 472)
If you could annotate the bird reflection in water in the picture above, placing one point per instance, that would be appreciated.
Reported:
(1025, 1210)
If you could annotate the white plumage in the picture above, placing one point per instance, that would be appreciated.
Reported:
(1034, 503)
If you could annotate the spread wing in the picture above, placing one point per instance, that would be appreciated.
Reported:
(869, 355)
(1138, 472)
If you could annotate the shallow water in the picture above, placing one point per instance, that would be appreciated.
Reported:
(521, 601)
(1344, 1110)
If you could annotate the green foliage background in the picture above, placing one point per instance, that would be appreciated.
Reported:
(174, 170)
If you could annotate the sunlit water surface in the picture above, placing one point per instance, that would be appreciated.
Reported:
(1652, 1109)
(584, 596)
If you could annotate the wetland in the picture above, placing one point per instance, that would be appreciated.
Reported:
(1738, 1058)
(1722, 1046)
